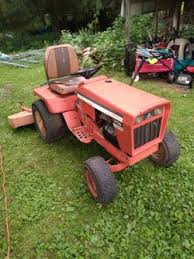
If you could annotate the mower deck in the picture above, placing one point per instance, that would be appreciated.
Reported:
(21, 119)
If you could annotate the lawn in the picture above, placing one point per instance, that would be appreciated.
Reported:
(51, 212)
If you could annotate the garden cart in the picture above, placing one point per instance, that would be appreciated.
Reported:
(153, 61)
(162, 61)
(129, 123)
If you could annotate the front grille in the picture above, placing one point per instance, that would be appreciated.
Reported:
(147, 133)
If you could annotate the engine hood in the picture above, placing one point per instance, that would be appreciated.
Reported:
(119, 98)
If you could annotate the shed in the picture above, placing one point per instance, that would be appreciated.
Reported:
(176, 8)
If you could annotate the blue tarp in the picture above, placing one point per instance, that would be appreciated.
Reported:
(185, 63)
(4, 57)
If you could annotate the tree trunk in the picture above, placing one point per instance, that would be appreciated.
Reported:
(56, 27)
(127, 20)
(129, 54)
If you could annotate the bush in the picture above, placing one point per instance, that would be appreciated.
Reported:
(140, 26)
(110, 44)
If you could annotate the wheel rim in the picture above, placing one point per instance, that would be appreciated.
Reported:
(91, 183)
(160, 154)
(40, 123)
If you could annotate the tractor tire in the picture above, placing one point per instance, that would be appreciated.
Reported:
(100, 180)
(169, 151)
(51, 127)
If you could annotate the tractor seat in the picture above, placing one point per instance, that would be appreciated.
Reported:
(67, 85)
(60, 62)
(63, 71)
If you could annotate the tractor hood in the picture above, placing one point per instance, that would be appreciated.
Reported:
(118, 98)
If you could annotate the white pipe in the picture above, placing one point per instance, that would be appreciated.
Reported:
(13, 64)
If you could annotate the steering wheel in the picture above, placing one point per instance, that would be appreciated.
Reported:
(87, 72)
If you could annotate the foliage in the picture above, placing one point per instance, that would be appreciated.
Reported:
(15, 42)
(51, 212)
(84, 38)
(109, 44)
(25, 13)
(18, 14)
(140, 26)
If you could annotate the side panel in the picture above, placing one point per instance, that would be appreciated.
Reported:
(124, 138)
(72, 119)
(90, 111)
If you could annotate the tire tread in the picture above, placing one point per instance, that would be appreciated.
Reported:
(172, 148)
(104, 178)
(54, 123)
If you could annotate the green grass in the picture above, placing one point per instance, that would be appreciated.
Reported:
(52, 214)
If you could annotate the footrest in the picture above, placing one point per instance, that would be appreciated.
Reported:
(82, 134)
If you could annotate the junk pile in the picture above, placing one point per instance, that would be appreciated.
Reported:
(22, 59)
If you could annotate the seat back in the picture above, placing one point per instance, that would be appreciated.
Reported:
(60, 61)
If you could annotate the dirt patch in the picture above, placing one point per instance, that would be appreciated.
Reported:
(5, 91)
(164, 84)
(175, 87)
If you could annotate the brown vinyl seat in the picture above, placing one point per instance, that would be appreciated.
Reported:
(60, 62)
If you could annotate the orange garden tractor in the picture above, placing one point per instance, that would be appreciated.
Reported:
(129, 123)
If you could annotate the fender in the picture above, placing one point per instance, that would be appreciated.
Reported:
(55, 103)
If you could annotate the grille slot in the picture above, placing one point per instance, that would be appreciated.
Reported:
(147, 133)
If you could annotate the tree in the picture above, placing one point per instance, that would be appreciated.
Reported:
(17, 14)
(22, 14)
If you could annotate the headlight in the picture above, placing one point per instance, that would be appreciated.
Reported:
(157, 111)
(148, 115)
(139, 119)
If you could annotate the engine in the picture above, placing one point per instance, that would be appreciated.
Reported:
(106, 124)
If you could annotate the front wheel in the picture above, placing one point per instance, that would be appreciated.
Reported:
(168, 152)
(100, 180)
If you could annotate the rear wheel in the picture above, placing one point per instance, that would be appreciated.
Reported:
(51, 127)
(168, 152)
(100, 180)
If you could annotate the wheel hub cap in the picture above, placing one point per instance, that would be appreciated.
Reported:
(40, 123)
(91, 183)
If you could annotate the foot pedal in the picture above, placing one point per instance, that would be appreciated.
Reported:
(82, 134)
